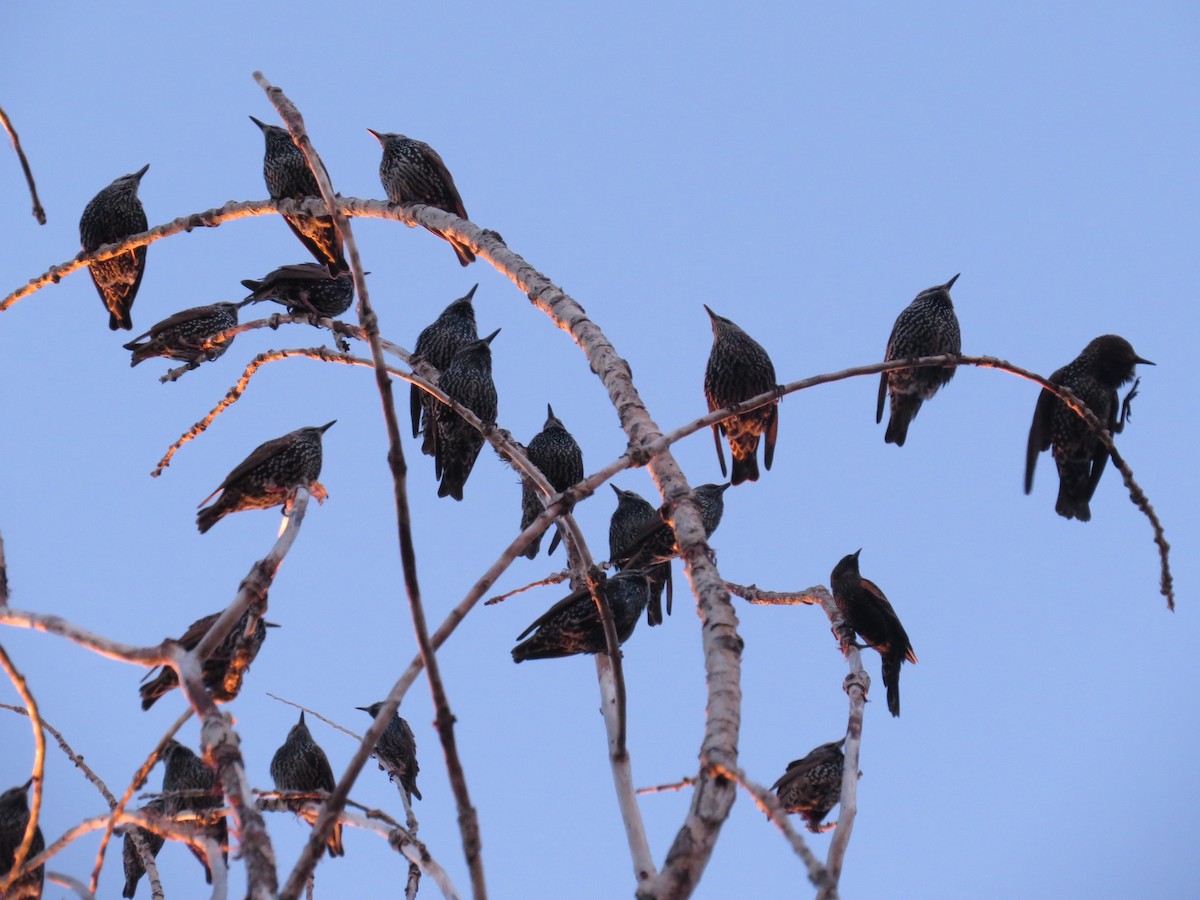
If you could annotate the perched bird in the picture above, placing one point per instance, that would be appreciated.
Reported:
(288, 177)
(628, 522)
(436, 345)
(467, 380)
(926, 327)
(1094, 376)
(111, 216)
(396, 751)
(134, 868)
(191, 786)
(812, 786)
(559, 458)
(184, 335)
(655, 543)
(412, 172)
(221, 676)
(269, 475)
(738, 369)
(573, 625)
(300, 765)
(304, 288)
(14, 817)
(867, 611)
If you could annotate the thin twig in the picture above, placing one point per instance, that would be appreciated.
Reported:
(316, 715)
(39, 771)
(556, 578)
(38, 212)
(71, 884)
(674, 786)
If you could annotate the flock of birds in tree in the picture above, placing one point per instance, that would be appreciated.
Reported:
(641, 540)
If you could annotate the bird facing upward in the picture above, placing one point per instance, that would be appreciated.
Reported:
(467, 380)
(111, 216)
(300, 765)
(437, 343)
(556, 454)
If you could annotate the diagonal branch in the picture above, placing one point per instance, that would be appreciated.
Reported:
(38, 212)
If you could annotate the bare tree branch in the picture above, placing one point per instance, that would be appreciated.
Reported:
(38, 212)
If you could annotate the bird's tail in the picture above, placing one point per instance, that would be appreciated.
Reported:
(904, 409)
(891, 680)
(207, 518)
(745, 468)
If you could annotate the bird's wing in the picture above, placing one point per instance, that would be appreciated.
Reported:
(1039, 431)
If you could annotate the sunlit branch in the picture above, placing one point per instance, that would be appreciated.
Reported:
(672, 787)
(39, 770)
(71, 884)
(38, 212)
(555, 578)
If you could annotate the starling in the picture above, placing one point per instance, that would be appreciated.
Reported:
(14, 817)
(467, 380)
(134, 868)
(305, 289)
(113, 215)
(184, 336)
(397, 751)
(573, 624)
(813, 786)
(559, 458)
(221, 677)
(300, 765)
(655, 543)
(269, 475)
(867, 611)
(628, 521)
(1094, 376)
(412, 172)
(437, 344)
(926, 327)
(288, 177)
(738, 369)
(190, 786)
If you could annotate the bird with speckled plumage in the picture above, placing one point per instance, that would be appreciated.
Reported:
(269, 476)
(111, 216)
(812, 786)
(305, 289)
(437, 343)
(300, 765)
(189, 785)
(556, 454)
(627, 525)
(187, 335)
(396, 751)
(412, 172)
(14, 818)
(927, 327)
(132, 860)
(738, 369)
(468, 381)
(1094, 376)
(573, 625)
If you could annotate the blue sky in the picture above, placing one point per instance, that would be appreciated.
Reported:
(804, 169)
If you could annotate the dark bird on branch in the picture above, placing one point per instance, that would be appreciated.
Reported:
(655, 542)
(628, 523)
(14, 818)
(438, 342)
(412, 172)
(134, 867)
(738, 369)
(185, 336)
(813, 786)
(926, 327)
(304, 288)
(1094, 376)
(224, 669)
(868, 613)
(573, 625)
(191, 786)
(554, 451)
(467, 380)
(396, 751)
(300, 765)
(111, 216)
(269, 476)
(288, 177)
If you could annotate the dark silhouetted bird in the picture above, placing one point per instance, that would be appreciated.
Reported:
(14, 818)
(300, 765)
(412, 172)
(467, 380)
(738, 369)
(926, 327)
(559, 458)
(437, 344)
(134, 868)
(1094, 376)
(656, 541)
(269, 476)
(288, 177)
(573, 625)
(629, 520)
(396, 751)
(185, 336)
(191, 786)
(867, 611)
(113, 215)
(221, 677)
(304, 288)
(812, 786)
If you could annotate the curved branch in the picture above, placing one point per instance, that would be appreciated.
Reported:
(39, 771)
(38, 212)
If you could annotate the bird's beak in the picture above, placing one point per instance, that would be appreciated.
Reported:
(375, 134)
(488, 339)
(471, 293)
(1144, 362)
(259, 123)
(327, 426)
(142, 171)
(949, 284)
